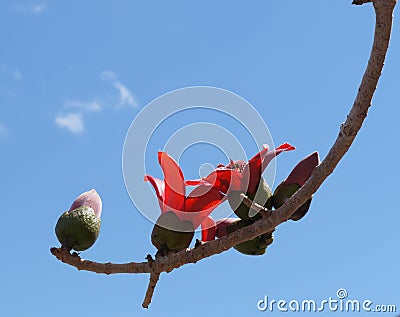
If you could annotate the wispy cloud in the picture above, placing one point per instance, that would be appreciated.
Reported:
(72, 121)
(10, 72)
(125, 97)
(35, 9)
(90, 106)
(78, 110)
(3, 131)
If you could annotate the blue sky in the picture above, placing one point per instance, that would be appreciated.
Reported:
(73, 76)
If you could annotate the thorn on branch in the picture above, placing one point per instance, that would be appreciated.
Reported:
(361, 2)
(198, 243)
(149, 259)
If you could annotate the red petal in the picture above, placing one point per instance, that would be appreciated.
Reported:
(224, 180)
(200, 203)
(159, 187)
(271, 155)
(252, 173)
(208, 229)
(174, 183)
(303, 170)
(256, 166)
(195, 182)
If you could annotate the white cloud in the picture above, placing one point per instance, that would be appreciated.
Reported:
(72, 121)
(3, 131)
(90, 106)
(125, 97)
(77, 109)
(34, 9)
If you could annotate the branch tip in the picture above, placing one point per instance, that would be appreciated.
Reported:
(154, 277)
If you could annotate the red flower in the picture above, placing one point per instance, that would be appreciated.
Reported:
(239, 175)
(171, 193)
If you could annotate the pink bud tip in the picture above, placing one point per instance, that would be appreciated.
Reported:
(303, 170)
(90, 199)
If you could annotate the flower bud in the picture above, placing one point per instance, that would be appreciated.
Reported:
(171, 234)
(263, 197)
(297, 178)
(79, 227)
(256, 246)
(283, 192)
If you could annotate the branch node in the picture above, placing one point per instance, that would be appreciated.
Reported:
(149, 259)
(198, 243)
(108, 268)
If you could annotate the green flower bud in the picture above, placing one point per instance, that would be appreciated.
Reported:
(263, 197)
(78, 229)
(171, 234)
(283, 192)
(257, 246)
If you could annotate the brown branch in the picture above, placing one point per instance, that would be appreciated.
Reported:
(348, 131)
(355, 118)
(74, 259)
(347, 134)
(154, 277)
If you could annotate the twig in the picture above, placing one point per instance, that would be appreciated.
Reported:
(102, 268)
(253, 205)
(154, 277)
(348, 131)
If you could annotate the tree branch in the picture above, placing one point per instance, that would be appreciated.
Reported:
(74, 259)
(154, 277)
(348, 131)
